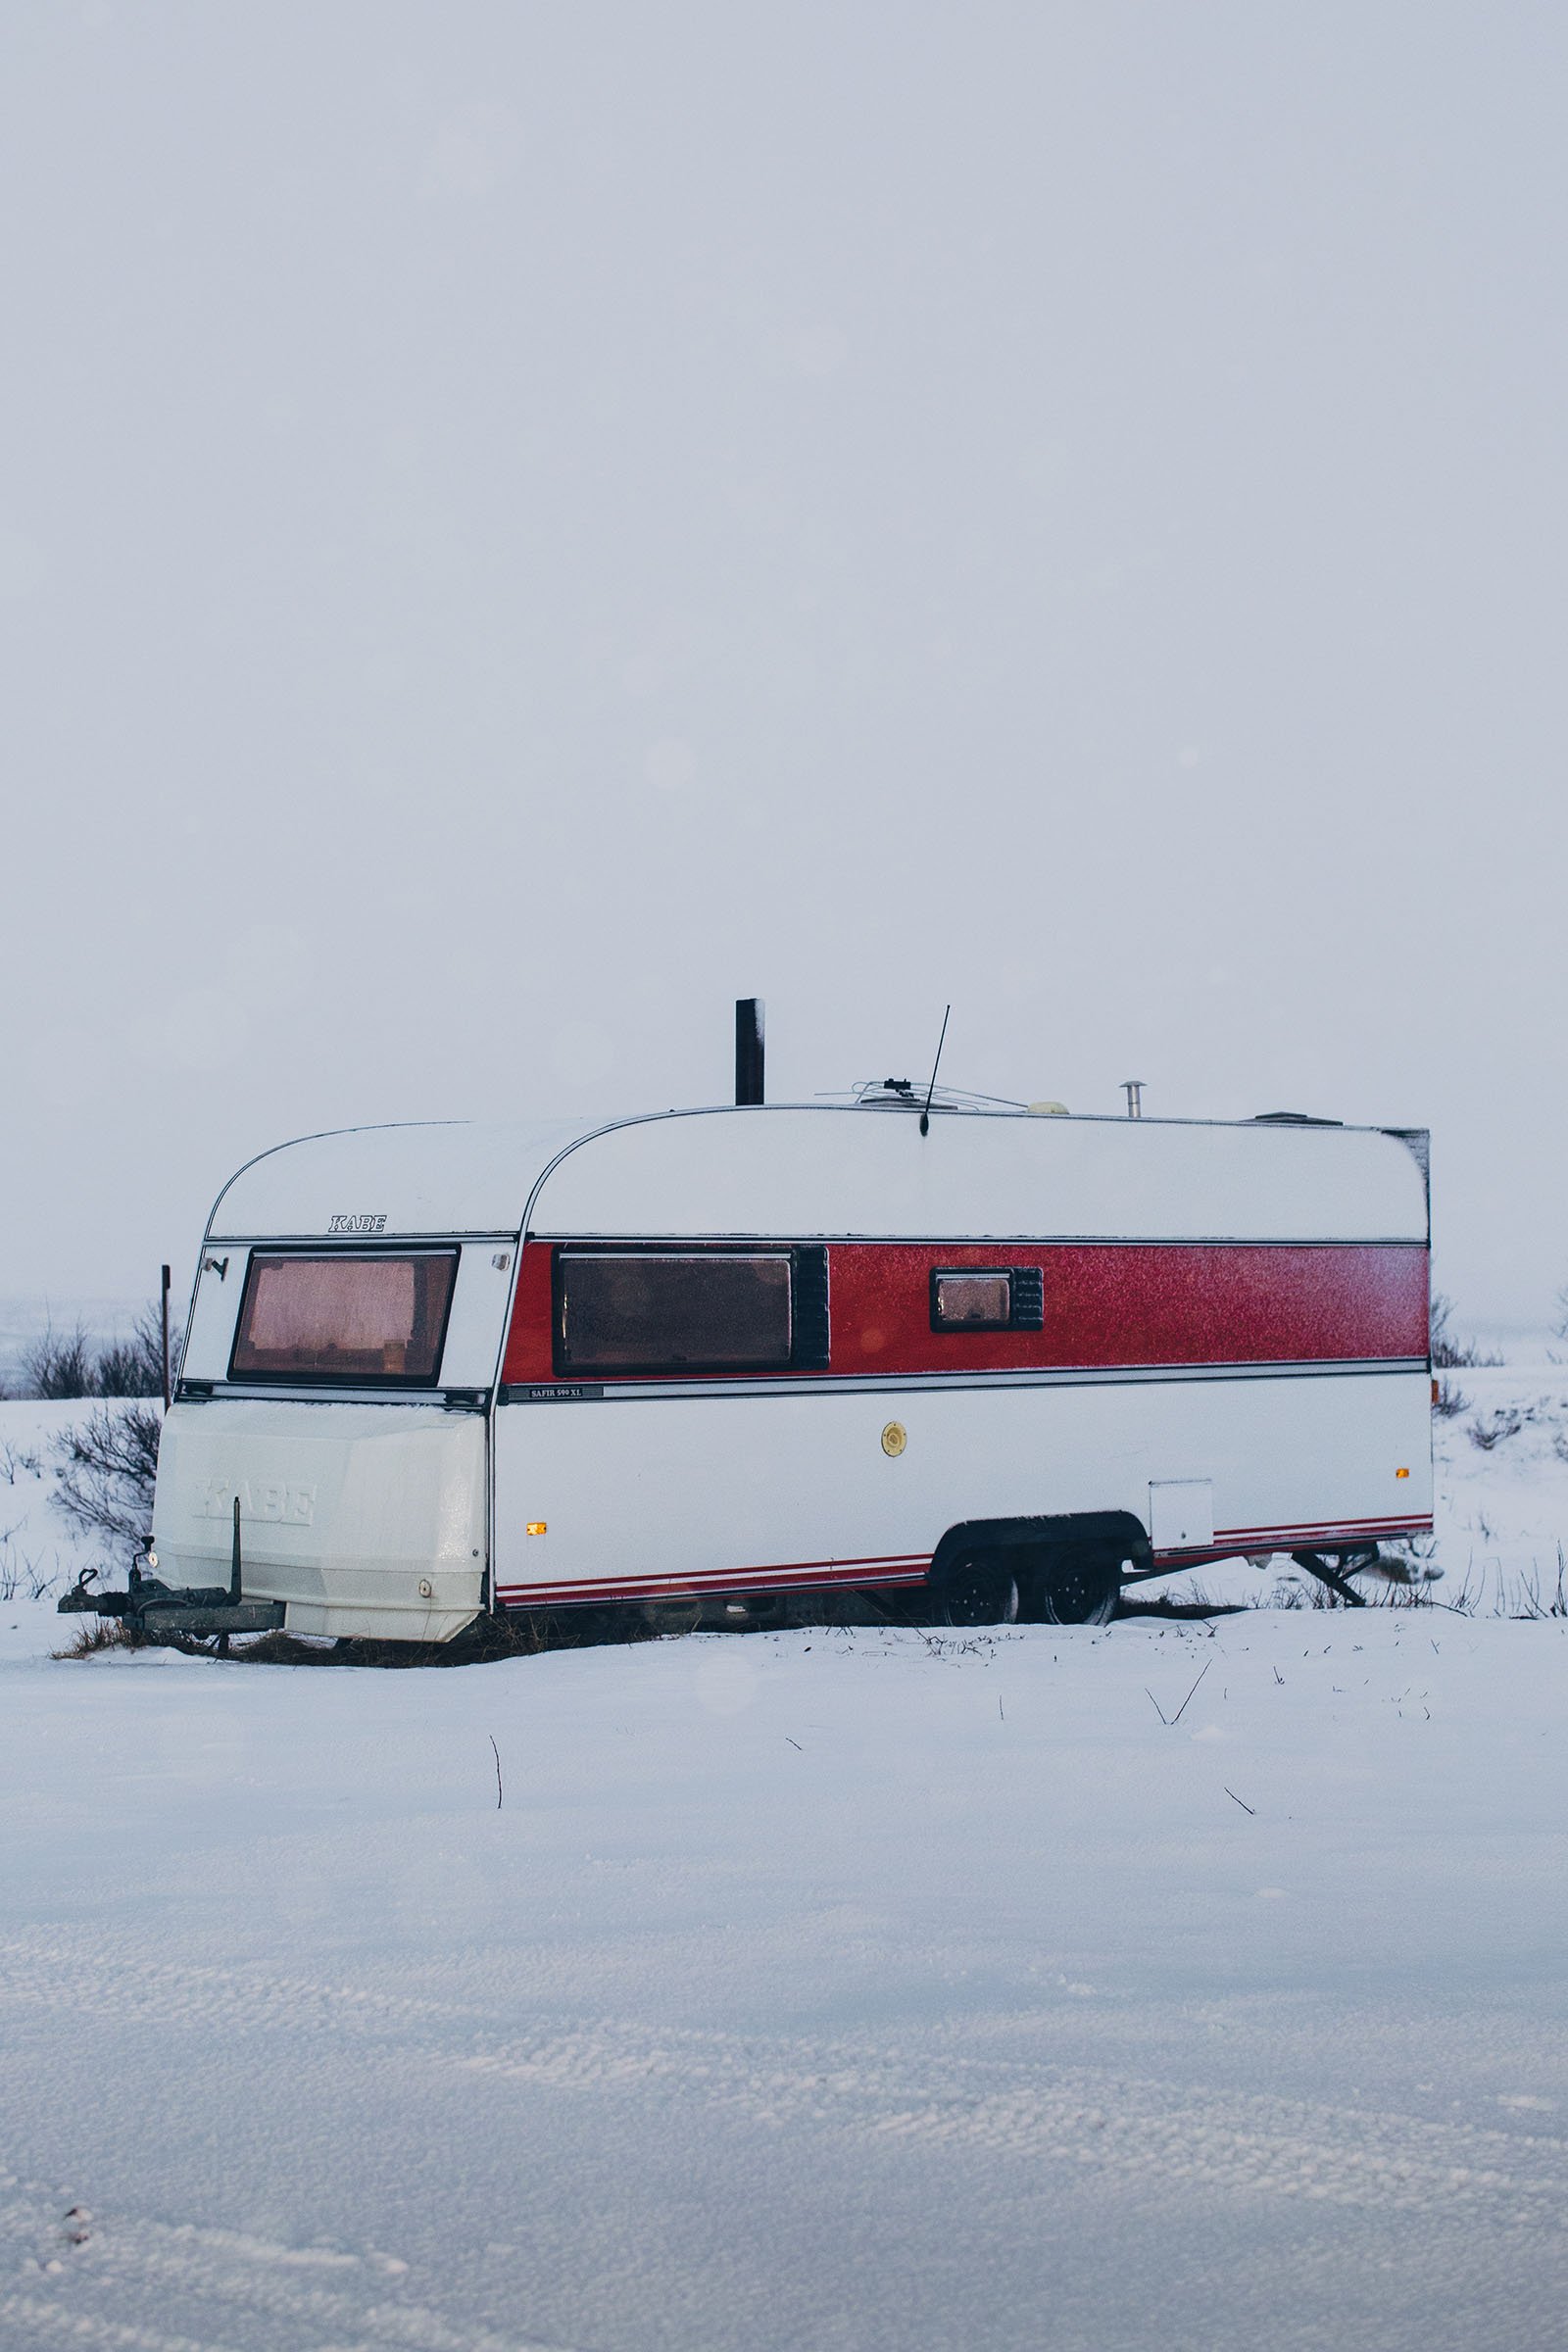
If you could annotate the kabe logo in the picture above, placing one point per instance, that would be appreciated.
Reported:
(267, 1498)
(364, 1223)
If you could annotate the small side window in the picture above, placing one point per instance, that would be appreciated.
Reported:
(988, 1298)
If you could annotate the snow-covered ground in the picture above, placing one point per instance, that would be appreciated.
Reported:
(844, 1988)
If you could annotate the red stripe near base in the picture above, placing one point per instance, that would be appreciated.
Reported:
(717, 1584)
(910, 1568)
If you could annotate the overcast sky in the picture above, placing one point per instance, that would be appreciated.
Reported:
(520, 523)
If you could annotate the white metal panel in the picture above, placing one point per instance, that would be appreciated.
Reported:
(795, 1172)
(345, 1510)
(1181, 1513)
(702, 1485)
(220, 1287)
(478, 1323)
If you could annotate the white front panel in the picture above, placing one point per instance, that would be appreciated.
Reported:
(346, 1511)
(476, 1326)
(690, 1487)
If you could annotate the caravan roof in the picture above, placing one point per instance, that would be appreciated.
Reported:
(802, 1170)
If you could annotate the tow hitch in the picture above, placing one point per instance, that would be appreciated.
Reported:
(149, 1606)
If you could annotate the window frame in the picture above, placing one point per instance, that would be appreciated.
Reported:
(1025, 1299)
(412, 1383)
(566, 1254)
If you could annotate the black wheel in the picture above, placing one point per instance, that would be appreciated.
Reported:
(1076, 1589)
(979, 1588)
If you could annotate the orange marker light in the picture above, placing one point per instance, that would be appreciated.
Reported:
(537, 1527)
(1401, 1474)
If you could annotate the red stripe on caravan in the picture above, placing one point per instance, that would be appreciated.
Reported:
(1107, 1305)
(676, 1587)
(910, 1568)
(1325, 1537)
(889, 1564)
(1325, 1527)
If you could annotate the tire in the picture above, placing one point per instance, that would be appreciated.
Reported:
(977, 1589)
(1077, 1589)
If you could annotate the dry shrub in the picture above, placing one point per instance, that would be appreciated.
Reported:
(108, 1469)
(63, 1364)
(98, 1633)
(1449, 1351)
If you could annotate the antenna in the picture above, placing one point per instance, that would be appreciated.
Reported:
(925, 1115)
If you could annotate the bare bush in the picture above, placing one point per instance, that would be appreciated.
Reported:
(1449, 1351)
(67, 1364)
(1492, 1428)
(1451, 1400)
(135, 1367)
(58, 1364)
(108, 1468)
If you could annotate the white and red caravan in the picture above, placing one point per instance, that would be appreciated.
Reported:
(718, 1356)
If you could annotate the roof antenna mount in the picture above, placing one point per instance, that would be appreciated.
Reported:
(925, 1114)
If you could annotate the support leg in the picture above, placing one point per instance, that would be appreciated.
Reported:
(1316, 1564)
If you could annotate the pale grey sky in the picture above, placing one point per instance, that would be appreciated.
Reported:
(520, 524)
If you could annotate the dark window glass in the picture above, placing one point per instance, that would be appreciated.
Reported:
(650, 1312)
(346, 1318)
(979, 1300)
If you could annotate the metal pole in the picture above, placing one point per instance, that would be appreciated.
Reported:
(1133, 1089)
(164, 1309)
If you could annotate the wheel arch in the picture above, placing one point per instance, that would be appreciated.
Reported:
(1065, 1532)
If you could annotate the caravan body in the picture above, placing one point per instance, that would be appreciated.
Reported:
(760, 1351)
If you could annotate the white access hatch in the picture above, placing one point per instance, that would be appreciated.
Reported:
(1181, 1513)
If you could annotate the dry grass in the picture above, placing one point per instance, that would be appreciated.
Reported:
(99, 1634)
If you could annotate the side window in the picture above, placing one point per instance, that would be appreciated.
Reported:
(651, 1310)
(988, 1298)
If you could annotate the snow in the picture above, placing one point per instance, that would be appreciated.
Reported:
(1170, 1984)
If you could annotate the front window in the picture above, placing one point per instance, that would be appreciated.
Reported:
(652, 1311)
(351, 1318)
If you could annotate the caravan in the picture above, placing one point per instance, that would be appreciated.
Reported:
(991, 1364)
